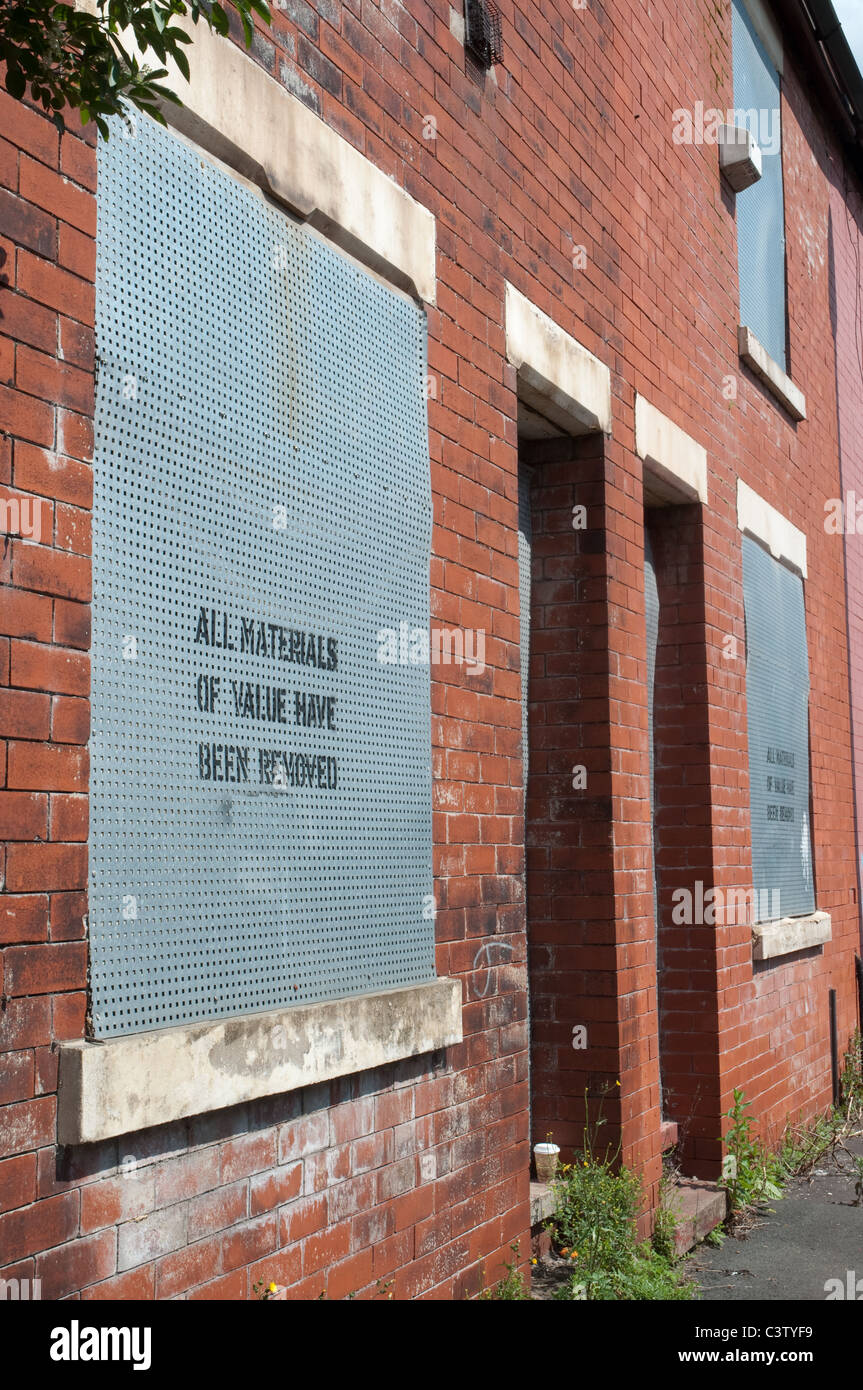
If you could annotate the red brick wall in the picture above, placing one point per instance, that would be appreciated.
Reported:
(420, 1173)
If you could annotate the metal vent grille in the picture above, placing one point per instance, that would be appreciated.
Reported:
(483, 32)
(760, 208)
(777, 701)
(262, 455)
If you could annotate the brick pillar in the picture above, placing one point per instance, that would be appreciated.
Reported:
(590, 919)
(687, 950)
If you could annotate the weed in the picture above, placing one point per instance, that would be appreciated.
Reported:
(754, 1175)
(511, 1288)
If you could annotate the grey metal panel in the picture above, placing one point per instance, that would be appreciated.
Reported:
(760, 208)
(261, 453)
(525, 539)
(777, 698)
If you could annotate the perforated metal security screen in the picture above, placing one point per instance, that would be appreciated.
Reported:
(261, 762)
(777, 699)
(760, 208)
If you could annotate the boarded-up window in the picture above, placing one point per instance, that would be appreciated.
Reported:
(261, 751)
(760, 208)
(777, 697)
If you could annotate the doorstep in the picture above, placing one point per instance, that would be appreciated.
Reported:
(699, 1208)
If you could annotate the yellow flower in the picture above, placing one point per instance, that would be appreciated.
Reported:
(586, 1164)
(617, 1083)
(574, 1255)
(533, 1261)
(273, 1288)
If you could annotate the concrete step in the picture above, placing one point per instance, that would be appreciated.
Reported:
(699, 1208)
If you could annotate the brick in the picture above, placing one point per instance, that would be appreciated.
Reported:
(326, 1249)
(66, 916)
(23, 816)
(302, 1217)
(47, 767)
(28, 225)
(249, 1241)
(50, 285)
(186, 1176)
(46, 969)
(28, 322)
(77, 252)
(25, 1023)
(59, 383)
(27, 1125)
(16, 1077)
(24, 715)
(303, 1136)
(67, 1013)
(53, 475)
(70, 818)
(23, 918)
(70, 720)
(25, 615)
(136, 1285)
(50, 190)
(247, 1154)
(25, 417)
(75, 1265)
(116, 1199)
(29, 129)
(186, 1269)
(37, 868)
(77, 344)
(33, 1229)
(78, 160)
(48, 571)
(229, 1288)
(139, 1242)
(17, 1183)
(75, 436)
(214, 1211)
(273, 1189)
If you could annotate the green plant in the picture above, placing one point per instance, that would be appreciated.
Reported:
(665, 1221)
(754, 1175)
(86, 59)
(717, 1238)
(597, 1204)
(511, 1288)
(264, 1290)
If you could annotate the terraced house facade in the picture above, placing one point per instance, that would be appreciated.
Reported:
(430, 660)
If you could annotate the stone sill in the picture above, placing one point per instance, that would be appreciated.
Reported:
(788, 934)
(126, 1084)
(541, 1202)
(770, 374)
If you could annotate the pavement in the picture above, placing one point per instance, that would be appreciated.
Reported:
(814, 1234)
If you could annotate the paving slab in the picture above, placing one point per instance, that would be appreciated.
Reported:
(813, 1235)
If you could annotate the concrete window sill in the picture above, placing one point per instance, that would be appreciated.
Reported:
(788, 934)
(770, 374)
(125, 1084)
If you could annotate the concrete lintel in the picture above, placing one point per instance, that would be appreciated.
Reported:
(670, 455)
(557, 377)
(236, 111)
(131, 1083)
(784, 541)
(759, 361)
(780, 938)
